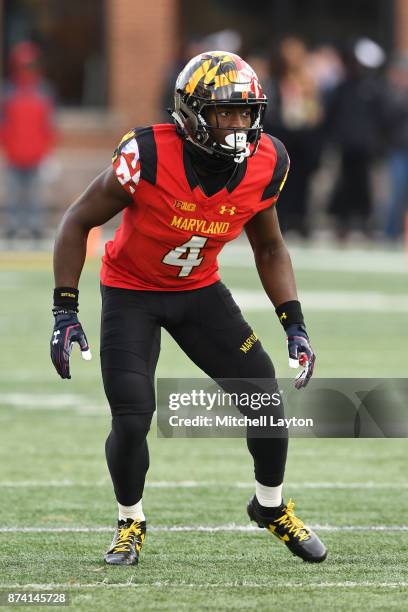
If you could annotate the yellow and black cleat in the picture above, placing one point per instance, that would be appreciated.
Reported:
(290, 530)
(127, 542)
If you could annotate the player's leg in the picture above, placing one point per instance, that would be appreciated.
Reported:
(217, 338)
(130, 345)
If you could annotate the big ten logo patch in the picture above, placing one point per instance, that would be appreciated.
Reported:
(186, 206)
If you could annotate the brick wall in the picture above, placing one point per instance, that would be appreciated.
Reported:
(141, 43)
(401, 24)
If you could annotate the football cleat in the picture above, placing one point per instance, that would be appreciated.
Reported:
(127, 542)
(290, 530)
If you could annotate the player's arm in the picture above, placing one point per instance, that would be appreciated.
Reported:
(276, 273)
(101, 201)
(271, 256)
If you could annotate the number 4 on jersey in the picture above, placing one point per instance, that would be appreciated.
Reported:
(186, 255)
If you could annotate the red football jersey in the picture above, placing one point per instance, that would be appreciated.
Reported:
(171, 234)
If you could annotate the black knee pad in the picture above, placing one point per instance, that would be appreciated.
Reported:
(130, 430)
(128, 392)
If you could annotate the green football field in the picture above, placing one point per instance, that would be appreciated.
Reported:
(57, 509)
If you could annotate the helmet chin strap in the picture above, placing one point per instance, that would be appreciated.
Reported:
(237, 142)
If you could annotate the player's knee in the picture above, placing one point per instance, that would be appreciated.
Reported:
(131, 429)
(259, 365)
(128, 392)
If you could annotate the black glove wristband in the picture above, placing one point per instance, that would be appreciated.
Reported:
(66, 298)
(290, 313)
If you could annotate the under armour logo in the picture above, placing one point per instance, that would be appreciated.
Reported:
(56, 333)
(225, 209)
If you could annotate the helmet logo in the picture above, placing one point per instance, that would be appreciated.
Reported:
(197, 76)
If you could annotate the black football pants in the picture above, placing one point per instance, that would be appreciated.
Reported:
(209, 327)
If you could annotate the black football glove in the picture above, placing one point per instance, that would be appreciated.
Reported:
(67, 330)
(300, 353)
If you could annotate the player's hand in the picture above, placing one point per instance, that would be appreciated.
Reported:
(67, 330)
(300, 354)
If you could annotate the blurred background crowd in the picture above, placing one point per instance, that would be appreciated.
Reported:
(77, 75)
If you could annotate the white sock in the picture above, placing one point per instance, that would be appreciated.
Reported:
(268, 496)
(132, 512)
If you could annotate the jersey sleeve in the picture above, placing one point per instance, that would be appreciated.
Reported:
(280, 172)
(126, 162)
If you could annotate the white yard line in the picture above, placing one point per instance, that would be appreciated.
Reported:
(202, 528)
(192, 484)
(41, 400)
(54, 402)
(222, 585)
(239, 255)
(339, 301)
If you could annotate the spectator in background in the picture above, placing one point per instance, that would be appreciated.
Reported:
(27, 136)
(263, 68)
(327, 68)
(295, 117)
(396, 129)
(353, 121)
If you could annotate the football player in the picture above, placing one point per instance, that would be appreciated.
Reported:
(185, 189)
